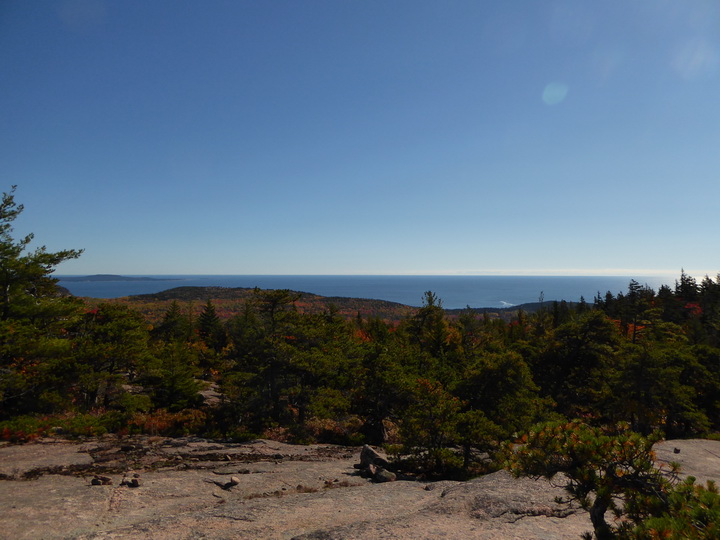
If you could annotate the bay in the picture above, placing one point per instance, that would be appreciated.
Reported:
(454, 291)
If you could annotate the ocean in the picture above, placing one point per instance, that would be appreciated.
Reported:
(454, 291)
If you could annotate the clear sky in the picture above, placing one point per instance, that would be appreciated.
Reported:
(365, 137)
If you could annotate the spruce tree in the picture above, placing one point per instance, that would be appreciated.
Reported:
(210, 329)
(175, 326)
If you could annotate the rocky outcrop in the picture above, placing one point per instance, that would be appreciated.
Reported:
(192, 488)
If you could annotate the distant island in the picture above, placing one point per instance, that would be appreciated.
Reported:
(113, 277)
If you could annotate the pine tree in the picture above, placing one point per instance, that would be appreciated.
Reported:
(110, 347)
(27, 291)
(33, 315)
(175, 326)
(687, 288)
(170, 376)
(210, 329)
(612, 470)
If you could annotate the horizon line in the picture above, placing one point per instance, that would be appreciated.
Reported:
(564, 272)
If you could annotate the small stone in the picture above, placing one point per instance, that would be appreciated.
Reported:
(676, 450)
(96, 482)
(135, 482)
(234, 480)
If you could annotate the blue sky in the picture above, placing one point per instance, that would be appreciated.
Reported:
(365, 137)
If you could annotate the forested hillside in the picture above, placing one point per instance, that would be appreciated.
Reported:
(228, 302)
(442, 391)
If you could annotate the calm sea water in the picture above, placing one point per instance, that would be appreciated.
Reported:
(454, 291)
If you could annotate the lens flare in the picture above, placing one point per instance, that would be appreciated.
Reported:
(554, 93)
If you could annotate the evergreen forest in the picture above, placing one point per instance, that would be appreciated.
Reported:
(583, 388)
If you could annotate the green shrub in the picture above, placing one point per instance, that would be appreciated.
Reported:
(27, 428)
(24, 428)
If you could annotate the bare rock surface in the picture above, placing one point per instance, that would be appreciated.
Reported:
(697, 457)
(16, 461)
(193, 488)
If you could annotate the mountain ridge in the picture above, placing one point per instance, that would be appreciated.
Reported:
(111, 277)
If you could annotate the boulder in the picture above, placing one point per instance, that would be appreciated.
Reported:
(368, 457)
(372, 465)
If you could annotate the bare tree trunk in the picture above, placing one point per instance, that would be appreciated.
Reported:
(597, 517)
